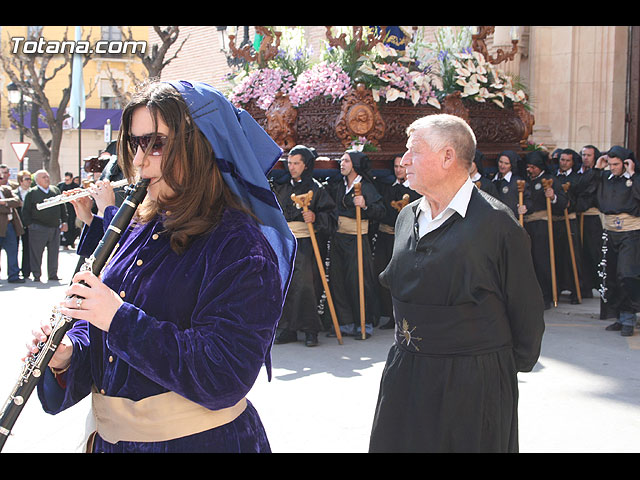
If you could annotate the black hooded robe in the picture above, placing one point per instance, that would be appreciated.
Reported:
(619, 195)
(300, 311)
(590, 228)
(507, 190)
(343, 269)
(384, 236)
(537, 229)
(564, 263)
(464, 329)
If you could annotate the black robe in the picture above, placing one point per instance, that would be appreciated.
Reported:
(343, 270)
(300, 311)
(590, 227)
(384, 240)
(621, 281)
(469, 316)
(564, 263)
(538, 231)
(507, 192)
(486, 185)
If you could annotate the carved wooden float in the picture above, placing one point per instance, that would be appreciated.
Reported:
(330, 126)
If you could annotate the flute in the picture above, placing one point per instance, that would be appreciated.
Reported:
(64, 198)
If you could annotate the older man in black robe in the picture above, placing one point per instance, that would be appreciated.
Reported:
(468, 308)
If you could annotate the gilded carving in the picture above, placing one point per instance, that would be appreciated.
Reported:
(281, 122)
(360, 117)
(452, 104)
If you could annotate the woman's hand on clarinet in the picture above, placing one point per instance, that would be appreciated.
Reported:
(62, 357)
(94, 302)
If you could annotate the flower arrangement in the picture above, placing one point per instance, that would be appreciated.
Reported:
(323, 79)
(361, 144)
(425, 73)
(481, 82)
(262, 85)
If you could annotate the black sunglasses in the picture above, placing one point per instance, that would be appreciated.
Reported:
(143, 142)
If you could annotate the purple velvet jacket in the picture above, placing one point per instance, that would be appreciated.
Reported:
(200, 324)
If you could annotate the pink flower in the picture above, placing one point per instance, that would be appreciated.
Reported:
(263, 86)
(323, 79)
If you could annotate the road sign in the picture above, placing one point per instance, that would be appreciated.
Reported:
(20, 149)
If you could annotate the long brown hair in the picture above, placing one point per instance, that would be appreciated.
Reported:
(188, 168)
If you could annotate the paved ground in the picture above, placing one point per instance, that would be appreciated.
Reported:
(583, 395)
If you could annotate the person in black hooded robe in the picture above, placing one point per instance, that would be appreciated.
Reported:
(536, 220)
(343, 253)
(506, 179)
(476, 173)
(468, 309)
(300, 311)
(391, 194)
(568, 165)
(618, 196)
(590, 224)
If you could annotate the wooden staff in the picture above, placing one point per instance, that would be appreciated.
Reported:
(521, 184)
(303, 201)
(565, 187)
(548, 183)
(582, 229)
(400, 204)
(357, 189)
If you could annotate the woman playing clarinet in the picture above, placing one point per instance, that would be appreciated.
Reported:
(173, 334)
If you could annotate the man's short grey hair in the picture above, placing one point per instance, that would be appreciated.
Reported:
(440, 130)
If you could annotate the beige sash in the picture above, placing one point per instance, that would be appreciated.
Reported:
(299, 229)
(560, 218)
(349, 225)
(384, 228)
(591, 211)
(156, 419)
(534, 216)
(620, 222)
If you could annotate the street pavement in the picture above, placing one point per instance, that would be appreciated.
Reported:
(583, 396)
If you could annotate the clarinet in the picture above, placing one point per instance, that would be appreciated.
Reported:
(35, 364)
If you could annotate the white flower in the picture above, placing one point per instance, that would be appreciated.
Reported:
(393, 94)
(415, 96)
(470, 66)
(384, 51)
(433, 101)
(367, 70)
(470, 89)
(463, 71)
(437, 83)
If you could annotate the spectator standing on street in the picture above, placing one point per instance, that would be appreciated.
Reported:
(44, 226)
(68, 238)
(10, 228)
(24, 184)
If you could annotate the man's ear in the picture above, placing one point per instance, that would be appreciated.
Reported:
(448, 157)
